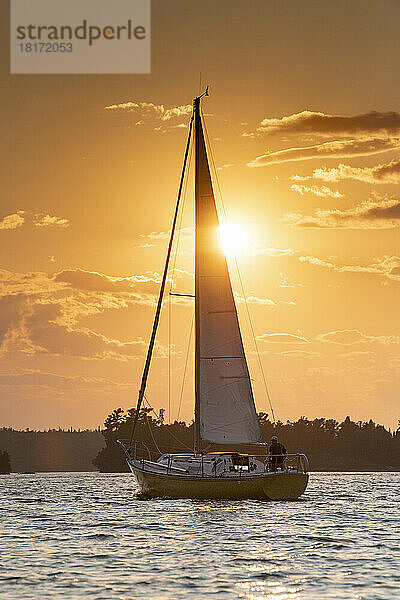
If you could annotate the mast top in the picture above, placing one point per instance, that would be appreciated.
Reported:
(196, 101)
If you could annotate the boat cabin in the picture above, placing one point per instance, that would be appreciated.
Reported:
(213, 464)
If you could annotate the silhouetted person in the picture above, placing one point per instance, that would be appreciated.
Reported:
(277, 452)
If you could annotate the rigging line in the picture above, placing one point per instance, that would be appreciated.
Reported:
(185, 368)
(167, 431)
(173, 275)
(162, 289)
(178, 237)
(152, 436)
(255, 343)
(240, 278)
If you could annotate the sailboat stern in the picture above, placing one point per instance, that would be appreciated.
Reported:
(285, 486)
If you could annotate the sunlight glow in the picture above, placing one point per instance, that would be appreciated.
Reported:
(234, 239)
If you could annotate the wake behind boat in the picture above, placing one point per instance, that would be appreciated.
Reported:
(225, 412)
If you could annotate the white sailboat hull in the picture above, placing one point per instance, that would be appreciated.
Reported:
(268, 486)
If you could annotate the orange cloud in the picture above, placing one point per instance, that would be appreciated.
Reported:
(334, 149)
(13, 221)
(348, 337)
(319, 123)
(386, 173)
(92, 281)
(43, 327)
(372, 214)
(11, 315)
(50, 221)
(275, 252)
(153, 110)
(16, 220)
(320, 191)
(160, 117)
(389, 266)
(282, 338)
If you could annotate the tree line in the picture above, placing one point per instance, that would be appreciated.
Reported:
(329, 444)
(5, 465)
(53, 450)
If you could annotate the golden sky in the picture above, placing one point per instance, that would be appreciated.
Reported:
(304, 125)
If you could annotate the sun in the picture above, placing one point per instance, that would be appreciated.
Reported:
(234, 239)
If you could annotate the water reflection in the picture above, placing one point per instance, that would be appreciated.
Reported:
(266, 591)
(79, 536)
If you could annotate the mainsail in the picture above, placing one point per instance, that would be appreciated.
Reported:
(225, 411)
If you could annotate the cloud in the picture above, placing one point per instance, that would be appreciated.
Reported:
(50, 221)
(320, 191)
(319, 123)
(347, 337)
(40, 313)
(372, 214)
(106, 291)
(44, 327)
(334, 149)
(261, 301)
(156, 235)
(35, 284)
(386, 173)
(356, 355)
(11, 313)
(84, 291)
(97, 282)
(389, 266)
(13, 221)
(48, 334)
(285, 283)
(256, 300)
(299, 354)
(62, 383)
(155, 114)
(282, 338)
(16, 220)
(275, 252)
(165, 235)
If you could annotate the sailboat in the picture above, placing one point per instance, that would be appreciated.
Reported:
(225, 412)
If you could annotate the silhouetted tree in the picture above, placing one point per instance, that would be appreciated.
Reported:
(52, 450)
(329, 445)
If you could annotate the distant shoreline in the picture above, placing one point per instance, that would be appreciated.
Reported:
(331, 447)
(127, 473)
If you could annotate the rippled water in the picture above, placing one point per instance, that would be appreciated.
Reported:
(85, 535)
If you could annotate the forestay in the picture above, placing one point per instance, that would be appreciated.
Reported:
(225, 410)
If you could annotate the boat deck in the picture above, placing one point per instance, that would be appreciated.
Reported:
(232, 465)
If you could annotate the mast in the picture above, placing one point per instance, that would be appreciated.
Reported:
(197, 439)
(162, 289)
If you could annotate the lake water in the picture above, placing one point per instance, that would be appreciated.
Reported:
(85, 535)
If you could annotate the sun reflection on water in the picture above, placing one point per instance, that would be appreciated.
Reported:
(267, 590)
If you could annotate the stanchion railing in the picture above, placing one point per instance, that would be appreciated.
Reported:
(208, 465)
